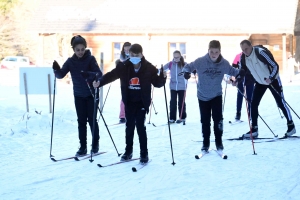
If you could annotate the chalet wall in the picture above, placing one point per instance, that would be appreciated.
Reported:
(156, 46)
(156, 49)
(272, 41)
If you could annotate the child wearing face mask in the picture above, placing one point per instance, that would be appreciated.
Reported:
(123, 56)
(136, 76)
(82, 61)
(177, 87)
(211, 69)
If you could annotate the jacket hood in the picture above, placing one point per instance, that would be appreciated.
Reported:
(220, 59)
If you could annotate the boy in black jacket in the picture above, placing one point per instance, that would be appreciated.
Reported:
(136, 76)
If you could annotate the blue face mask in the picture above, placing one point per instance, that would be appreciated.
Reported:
(135, 60)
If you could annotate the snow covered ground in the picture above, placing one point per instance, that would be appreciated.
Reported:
(27, 172)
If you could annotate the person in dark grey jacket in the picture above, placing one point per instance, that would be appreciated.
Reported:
(211, 69)
(82, 61)
(177, 87)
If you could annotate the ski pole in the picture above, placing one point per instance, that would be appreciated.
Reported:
(94, 121)
(224, 98)
(248, 114)
(154, 108)
(52, 117)
(104, 121)
(258, 114)
(151, 105)
(173, 163)
(105, 98)
(283, 99)
(110, 135)
(183, 102)
(280, 113)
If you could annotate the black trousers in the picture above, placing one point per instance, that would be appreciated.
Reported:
(135, 117)
(208, 109)
(173, 104)
(85, 111)
(240, 97)
(259, 91)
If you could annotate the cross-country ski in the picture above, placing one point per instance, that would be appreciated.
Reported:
(140, 166)
(117, 163)
(77, 158)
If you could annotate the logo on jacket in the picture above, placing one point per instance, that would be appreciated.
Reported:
(212, 73)
(134, 84)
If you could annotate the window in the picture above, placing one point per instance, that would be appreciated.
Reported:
(181, 46)
(117, 48)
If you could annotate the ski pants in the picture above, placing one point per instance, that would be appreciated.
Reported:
(240, 97)
(259, 91)
(173, 104)
(135, 117)
(208, 109)
(85, 113)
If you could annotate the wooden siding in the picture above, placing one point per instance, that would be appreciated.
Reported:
(271, 40)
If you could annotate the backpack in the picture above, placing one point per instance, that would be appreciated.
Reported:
(170, 65)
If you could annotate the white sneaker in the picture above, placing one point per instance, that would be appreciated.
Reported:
(172, 121)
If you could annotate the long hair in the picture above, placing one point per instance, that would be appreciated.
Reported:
(181, 62)
(126, 44)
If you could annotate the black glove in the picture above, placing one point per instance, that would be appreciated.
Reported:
(55, 65)
(187, 75)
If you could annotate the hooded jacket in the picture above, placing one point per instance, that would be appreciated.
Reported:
(146, 76)
(210, 75)
(75, 65)
(176, 82)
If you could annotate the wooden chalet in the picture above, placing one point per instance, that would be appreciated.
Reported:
(161, 26)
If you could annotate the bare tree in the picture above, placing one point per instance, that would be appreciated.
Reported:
(15, 38)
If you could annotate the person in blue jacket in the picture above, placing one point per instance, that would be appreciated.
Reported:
(177, 87)
(82, 61)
